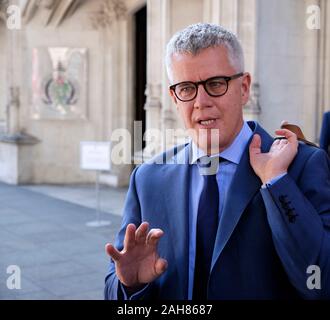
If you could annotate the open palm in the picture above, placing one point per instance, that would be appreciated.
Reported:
(138, 263)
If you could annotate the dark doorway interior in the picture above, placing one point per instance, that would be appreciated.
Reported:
(140, 81)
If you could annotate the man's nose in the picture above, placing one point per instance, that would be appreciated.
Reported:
(203, 99)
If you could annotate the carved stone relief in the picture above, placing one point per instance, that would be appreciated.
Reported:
(108, 12)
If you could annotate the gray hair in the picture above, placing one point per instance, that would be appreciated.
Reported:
(199, 36)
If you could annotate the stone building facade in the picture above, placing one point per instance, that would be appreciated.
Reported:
(287, 52)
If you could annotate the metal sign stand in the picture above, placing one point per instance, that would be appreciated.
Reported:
(98, 222)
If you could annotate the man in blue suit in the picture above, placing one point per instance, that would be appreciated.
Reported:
(254, 224)
(325, 133)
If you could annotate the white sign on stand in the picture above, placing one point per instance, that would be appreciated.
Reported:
(95, 155)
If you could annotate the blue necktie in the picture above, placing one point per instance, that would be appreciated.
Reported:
(207, 225)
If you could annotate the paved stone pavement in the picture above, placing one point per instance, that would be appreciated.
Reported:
(111, 199)
(58, 255)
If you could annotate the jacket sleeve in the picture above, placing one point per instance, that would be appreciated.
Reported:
(131, 214)
(298, 213)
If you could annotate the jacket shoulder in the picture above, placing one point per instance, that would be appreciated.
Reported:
(175, 155)
(304, 155)
(305, 151)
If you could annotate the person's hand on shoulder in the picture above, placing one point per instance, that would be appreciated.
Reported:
(271, 164)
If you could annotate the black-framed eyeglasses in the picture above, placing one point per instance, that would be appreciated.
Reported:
(215, 87)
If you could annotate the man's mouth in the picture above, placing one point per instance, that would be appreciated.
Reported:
(206, 122)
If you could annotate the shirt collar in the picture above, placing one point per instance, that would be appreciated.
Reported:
(233, 153)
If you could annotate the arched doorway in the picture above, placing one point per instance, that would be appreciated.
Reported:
(140, 62)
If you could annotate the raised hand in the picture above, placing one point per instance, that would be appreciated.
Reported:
(275, 162)
(138, 263)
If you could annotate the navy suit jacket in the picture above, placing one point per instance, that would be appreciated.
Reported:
(266, 239)
(325, 133)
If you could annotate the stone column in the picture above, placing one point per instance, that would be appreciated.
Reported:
(13, 90)
(314, 70)
(153, 91)
(224, 12)
(3, 64)
(169, 117)
(16, 147)
(14, 71)
(247, 31)
(240, 17)
(112, 24)
(323, 87)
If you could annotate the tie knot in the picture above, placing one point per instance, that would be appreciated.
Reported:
(208, 165)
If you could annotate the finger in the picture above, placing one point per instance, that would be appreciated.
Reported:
(112, 252)
(141, 233)
(154, 236)
(160, 266)
(276, 142)
(129, 240)
(283, 142)
(255, 145)
(291, 136)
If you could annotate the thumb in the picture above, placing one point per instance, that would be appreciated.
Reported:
(255, 145)
(160, 266)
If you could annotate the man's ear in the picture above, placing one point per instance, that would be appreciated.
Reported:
(245, 89)
(171, 93)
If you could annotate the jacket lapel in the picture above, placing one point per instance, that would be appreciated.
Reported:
(244, 186)
(177, 205)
